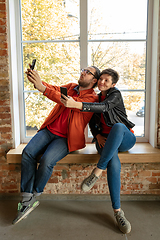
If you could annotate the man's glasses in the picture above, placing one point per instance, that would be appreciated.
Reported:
(87, 72)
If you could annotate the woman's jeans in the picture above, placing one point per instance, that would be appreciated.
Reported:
(120, 139)
(53, 148)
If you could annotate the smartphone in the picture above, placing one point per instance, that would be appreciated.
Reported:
(64, 91)
(33, 64)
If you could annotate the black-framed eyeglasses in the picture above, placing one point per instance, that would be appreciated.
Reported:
(87, 72)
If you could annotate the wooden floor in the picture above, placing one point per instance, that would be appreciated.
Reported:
(140, 153)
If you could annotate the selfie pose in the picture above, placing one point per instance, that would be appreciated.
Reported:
(62, 132)
(112, 133)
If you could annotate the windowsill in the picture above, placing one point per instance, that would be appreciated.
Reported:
(140, 153)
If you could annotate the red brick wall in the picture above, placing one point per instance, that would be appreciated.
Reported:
(136, 178)
(67, 178)
(158, 132)
(5, 112)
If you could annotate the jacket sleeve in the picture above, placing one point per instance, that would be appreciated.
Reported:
(53, 92)
(89, 98)
(111, 102)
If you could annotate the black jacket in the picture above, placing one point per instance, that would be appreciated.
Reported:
(113, 110)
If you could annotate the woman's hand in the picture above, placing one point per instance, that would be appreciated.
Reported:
(34, 78)
(101, 140)
(69, 102)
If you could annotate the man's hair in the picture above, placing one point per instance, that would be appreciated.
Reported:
(96, 74)
(111, 72)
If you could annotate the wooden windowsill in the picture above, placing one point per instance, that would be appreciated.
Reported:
(140, 153)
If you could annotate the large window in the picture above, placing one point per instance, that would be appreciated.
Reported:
(66, 35)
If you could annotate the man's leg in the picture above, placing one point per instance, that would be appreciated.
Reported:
(34, 148)
(55, 151)
(29, 165)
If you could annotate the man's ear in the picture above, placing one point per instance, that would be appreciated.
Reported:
(95, 80)
(113, 85)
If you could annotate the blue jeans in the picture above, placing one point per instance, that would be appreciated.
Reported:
(53, 148)
(120, 139)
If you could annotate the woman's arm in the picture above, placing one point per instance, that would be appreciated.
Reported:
(112, 101)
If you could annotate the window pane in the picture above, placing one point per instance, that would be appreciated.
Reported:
(50, 20)
(37, 107)
(135, 107)
(117, 19)
(128, 59)
(57, 63)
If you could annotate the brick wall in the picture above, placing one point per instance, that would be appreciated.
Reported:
(5, 112)
(136, 178)
(158, 132)
(66, 179)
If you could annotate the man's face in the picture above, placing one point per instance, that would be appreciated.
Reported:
(87, 79)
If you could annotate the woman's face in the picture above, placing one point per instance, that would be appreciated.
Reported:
(105, 83)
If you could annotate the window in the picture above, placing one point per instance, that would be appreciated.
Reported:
(67, 35)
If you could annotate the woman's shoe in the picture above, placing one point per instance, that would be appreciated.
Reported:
(89, 182)
(123, 224)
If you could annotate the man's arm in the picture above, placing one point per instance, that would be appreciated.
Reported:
(69, 102)
(48, 90)
(34, 78)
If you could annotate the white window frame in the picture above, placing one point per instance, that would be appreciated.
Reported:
(16, 71)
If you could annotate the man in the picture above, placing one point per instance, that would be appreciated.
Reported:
(62, 132)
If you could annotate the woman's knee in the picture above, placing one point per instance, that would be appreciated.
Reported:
(119, 127)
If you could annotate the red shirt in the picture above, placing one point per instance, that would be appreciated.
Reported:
(60, 125)
(105, 128)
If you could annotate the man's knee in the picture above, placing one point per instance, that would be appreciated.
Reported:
(28, 155)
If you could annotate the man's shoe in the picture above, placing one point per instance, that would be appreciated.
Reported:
(24, 208)
(123, 224)
(89, 182)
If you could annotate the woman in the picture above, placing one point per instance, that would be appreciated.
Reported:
(112, 133)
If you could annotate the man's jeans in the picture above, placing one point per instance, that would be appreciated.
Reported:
(53, 148)
(120, 139)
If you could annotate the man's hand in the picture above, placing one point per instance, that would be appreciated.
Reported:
(101, 140)
(69, 102)
(34, 78)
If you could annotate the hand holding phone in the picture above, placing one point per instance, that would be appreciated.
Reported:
(63, 91)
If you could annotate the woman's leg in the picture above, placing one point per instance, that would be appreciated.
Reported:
(114, 184)
(119, 139)
(114, 180)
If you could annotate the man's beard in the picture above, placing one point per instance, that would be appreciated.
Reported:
(83, 84)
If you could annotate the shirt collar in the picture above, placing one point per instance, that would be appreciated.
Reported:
(77, 89)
